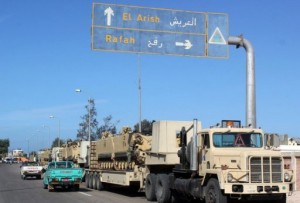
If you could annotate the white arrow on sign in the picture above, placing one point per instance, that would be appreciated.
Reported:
(187, 44)
(108, 12)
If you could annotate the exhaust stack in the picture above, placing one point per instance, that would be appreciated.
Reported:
(194, 149)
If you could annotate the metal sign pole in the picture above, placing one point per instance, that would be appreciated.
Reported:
(250, 89)
(140, 93)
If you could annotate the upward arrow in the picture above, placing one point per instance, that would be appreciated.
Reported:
(108, 12)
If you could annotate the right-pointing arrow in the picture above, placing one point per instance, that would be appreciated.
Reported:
(187, 44)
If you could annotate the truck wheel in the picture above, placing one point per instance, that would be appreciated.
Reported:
(99, 184)
(280, 200)
(90, 181)
(94, 181)
(38, 177)
(150, 187)
(163, 192)
(175, 197)
(87, 180)
(213, 192)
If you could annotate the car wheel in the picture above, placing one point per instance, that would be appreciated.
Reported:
(45, 186)
(76, 187)
(50, 189)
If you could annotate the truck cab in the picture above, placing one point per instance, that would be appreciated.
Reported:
(230, 161)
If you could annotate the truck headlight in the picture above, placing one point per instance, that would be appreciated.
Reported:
(229, 177)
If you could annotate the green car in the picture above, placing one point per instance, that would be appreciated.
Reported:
(62, 174)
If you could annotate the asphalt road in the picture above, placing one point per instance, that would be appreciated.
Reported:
(15, 190)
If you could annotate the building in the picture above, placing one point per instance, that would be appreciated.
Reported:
(17, 153)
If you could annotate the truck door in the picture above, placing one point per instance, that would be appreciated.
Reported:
(204, 152)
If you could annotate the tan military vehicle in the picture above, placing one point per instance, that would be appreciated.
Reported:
(76, 151)
(183, 161)
(45, 157)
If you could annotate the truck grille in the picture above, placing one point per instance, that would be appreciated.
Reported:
(265, 169)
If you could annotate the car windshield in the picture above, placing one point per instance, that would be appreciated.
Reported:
(237, 140)
(61, 165)
(31, 164)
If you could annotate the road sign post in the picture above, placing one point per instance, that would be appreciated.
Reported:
(159, 31)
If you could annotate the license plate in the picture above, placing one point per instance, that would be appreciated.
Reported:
(66, 171)
(65, 180)
(32, 171)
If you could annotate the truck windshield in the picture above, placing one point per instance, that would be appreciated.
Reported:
(237, 140)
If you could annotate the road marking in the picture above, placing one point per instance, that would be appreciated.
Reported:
(85, 194)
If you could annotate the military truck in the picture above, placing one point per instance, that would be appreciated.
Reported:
(121, 159)
(44, 157)
(75, 151)
(223, 162)
(228, 161)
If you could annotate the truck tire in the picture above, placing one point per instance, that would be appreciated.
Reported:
(87, 180)
(99, 185)
(163, 192)
(176, 198)
(94, 181)
(150, 187)
(91, 180)
(280, 200)
(213, 193)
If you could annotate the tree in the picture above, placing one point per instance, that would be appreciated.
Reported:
(83, 131)
(4, 144)
(146, 127)
(107, 126)
(55, 142)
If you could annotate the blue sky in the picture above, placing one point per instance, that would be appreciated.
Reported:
(46, 54)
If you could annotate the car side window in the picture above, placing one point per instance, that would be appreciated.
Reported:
(51, 166)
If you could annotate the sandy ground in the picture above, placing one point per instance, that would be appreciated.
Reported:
(294, 198)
